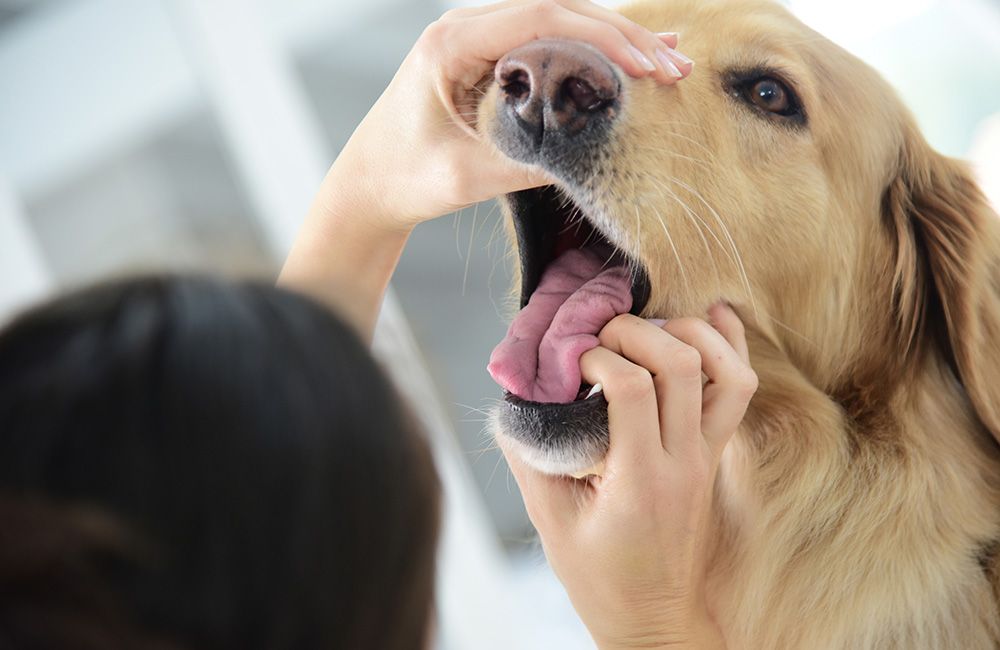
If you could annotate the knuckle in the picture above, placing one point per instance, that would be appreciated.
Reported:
(545, 8)
(614, 327)
(747, 381)
(436, 34)
(611, 34)
(685, 361)
(632, 383)
(452, 14)
(635, 32)
(688, 324)
(626, 319)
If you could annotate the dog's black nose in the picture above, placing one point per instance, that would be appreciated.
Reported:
(550, 86)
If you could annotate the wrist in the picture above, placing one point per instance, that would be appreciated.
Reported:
(353, 201)
(347, 249)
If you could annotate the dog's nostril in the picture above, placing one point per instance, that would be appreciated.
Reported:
(517, 84)
(582, 94)
(554, 87)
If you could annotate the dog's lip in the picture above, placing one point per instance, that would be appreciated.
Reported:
(562, 411)
(520, 402)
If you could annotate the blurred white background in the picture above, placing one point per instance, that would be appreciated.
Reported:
(190, 134)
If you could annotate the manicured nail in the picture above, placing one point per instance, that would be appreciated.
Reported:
(641, 59)
(659, 322)
(668, 36)
(668, 65)
(680, 57)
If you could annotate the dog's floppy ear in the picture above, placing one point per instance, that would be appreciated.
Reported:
(947, 271)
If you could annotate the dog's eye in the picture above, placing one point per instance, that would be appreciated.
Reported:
(771, 95)
(768, 95)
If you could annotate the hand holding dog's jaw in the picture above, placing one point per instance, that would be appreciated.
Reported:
(649, 516)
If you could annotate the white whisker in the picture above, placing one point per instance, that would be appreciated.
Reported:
(468, 251)
(729, 237)
(670, 240)
(694, 219)
(691, 213)
(790, 329)
(690, 140)
(673, 154)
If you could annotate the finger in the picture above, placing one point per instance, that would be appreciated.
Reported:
(633, 421)
(676, 370)
(495, 175)
(552, 502)
(670, 39)
(468, 12)
(683, 63)
(723, 410)
(722, 317)
(670, 68)
(488, 36)
(504, 175)
(731, 381)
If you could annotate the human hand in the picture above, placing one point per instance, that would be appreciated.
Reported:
(416, 155)
(417, 150)
(632, 546)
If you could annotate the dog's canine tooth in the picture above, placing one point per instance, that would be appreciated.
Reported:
(594, 391)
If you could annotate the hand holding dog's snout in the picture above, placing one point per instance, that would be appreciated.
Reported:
(631, 546)
(419, 142)
(416, 155)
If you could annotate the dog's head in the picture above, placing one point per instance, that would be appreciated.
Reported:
(783, 176)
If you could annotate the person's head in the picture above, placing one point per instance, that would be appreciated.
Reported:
(188, 464)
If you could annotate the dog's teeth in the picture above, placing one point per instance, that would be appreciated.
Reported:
(593, 391)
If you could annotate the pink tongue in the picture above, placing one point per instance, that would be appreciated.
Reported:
(539, 360)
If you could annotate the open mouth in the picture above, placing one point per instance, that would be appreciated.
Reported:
(574, 280)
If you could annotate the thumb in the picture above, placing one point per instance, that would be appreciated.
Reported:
(499, 174)
(526, 177)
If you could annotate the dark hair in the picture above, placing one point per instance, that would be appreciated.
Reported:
(186, 463)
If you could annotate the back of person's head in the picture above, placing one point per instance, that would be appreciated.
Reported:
(191, 464)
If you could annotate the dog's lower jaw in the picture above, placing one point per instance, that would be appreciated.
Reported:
(553, 459)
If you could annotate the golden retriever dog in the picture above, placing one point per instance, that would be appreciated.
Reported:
(859, 503)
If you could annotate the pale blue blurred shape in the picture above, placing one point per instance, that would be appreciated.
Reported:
(68, 89)
(944, 61)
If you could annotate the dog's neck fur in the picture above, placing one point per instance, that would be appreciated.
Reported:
(833, 504)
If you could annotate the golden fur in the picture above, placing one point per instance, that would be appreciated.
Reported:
(859, 504)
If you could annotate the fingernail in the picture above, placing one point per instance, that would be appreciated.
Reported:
(641, 59)
(668, 65)
(659, 322)
(668, 35)
(680, 57)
